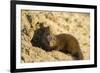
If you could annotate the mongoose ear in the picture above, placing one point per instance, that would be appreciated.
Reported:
(41, 25)
(48, 27)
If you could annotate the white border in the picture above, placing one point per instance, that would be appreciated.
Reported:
(20, 65)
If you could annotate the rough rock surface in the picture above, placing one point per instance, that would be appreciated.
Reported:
(76, 24)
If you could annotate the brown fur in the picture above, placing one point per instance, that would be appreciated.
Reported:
(67, 44)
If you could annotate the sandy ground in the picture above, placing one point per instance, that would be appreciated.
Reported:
(76, 24)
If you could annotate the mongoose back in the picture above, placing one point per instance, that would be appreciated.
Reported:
(67, 44)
